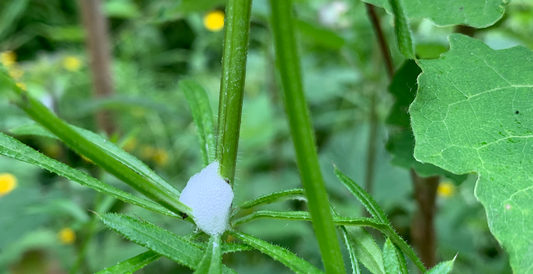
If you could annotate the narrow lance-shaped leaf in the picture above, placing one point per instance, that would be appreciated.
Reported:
(341, 221)
(442, 268)
(279, 196)
(160, 193)
(391, 261)
(402, 30)
(472, 113)
(366, 199)
(365, 249)
(12, 148)
(156, 239)
(131, 265)
(351, 252)
(202, 116)
(212, 260)
(295, 263)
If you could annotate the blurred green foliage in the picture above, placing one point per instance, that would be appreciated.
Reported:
(157, 43)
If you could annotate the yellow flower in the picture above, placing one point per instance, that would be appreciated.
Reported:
(214, 20)
(147, 152)
(15, 73)
(66, 236)
(130, 144)
(71, 63)
(21, 85)
(8, 182)
(8, 58)
(160, 157)
(446, 189)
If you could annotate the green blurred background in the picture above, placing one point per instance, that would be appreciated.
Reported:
(44, 219)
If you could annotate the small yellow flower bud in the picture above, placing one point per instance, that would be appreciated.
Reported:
(446, 189)
(66, 236)
(8, 182)
(214, 20)
(71, 63)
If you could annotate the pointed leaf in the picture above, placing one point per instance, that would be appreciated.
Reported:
(295, 263)
(392, 261)
(212, 260)
(368, 201)
(279, 196)
(133, 264)
(156, 239)
(402, 30)
(473, 113)
(202, 116)
(365, 249)
(12, 148)
(442, 268)
(351, 251)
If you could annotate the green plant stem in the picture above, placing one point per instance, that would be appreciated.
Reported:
(288, 64)
(83, 146)
(237, 30)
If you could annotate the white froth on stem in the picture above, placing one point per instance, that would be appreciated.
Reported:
(209, 197)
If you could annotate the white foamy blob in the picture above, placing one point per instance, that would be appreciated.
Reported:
(209, 197)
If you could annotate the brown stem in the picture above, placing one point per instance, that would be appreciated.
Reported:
(422, 228)
(382, 42)
(100, 57)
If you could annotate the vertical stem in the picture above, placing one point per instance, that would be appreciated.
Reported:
(100, 56)
(237, 30)
(382, 42)
(372, 144)
(422, 228)
(288, 64)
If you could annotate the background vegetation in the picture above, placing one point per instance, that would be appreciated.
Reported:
(44, 219)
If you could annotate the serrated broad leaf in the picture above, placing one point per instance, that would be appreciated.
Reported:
(474, 13)
(156, 239)
(366, 199)
(12, 148)
(131, 265)
(365, 249)
(444, 268)
(401, 142)
(473, 113)
(202, 116)
(212, 260)
(402, 30)
(290, 260)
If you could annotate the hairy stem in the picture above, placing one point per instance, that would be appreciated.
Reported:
(237, 30)
(288, 65)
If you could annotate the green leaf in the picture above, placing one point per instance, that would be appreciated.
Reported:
(212, 260)
(474, 13)
(401, 143)
(445, 268)
(235, 247)
(351, 251)
(319, 35)
(11, 12)
(279, 196)
(365, 249)
(391, 261)
(12, 148)
(402, 30)
(366, 199)
(156, 239)
(295, 263)
(202, 116)
(386, 229)
(131, 265)
(473, 113)
(112, 150)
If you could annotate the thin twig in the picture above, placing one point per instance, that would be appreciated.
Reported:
(382, 42)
